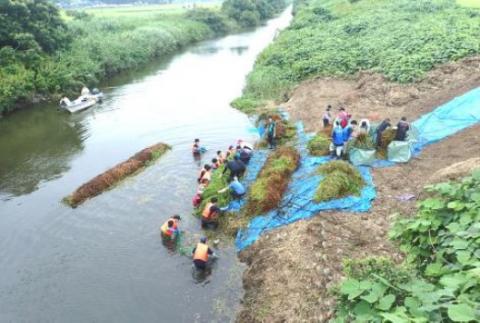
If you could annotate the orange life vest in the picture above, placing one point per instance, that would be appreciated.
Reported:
(166, 230)
(201, 252)
(206, 214)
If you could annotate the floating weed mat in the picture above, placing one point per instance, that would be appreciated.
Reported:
(341, 179)
(114, 175)
(267, 191)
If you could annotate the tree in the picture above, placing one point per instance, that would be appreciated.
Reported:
(32, 25)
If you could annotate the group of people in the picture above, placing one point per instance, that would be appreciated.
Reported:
(235, 161)
(346, 129)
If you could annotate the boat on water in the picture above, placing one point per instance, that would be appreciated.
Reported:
(86, 100)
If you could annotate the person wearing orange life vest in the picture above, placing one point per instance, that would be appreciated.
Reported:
(210, 214)
(205, 173)
(170, 228)
(221, 157)
(201, 253)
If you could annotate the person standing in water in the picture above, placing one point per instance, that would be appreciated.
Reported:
(201, 253)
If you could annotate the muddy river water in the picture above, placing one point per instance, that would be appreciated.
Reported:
(104, 261)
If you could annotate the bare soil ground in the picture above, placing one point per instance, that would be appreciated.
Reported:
(291, 269)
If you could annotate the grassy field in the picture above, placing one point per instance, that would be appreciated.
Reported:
(147, 11)
(469, 3)
(400, 39)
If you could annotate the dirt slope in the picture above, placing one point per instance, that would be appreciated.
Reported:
(290, 269)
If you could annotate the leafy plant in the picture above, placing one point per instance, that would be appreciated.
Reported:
(319, 145)
(440, 278)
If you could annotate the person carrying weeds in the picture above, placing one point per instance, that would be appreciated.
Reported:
(336, 146)
(271, 132)
(201, 253)
(210, 214)
(381, 128)
(236, 188)
(236, 167)
(402, 128)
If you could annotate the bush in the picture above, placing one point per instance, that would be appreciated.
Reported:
(341, 179)
(215, 20)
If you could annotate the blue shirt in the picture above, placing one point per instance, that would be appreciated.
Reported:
(347, 132)
(237, 187)
(337, 136)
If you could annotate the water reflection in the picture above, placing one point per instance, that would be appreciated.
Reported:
(36, 146)
(239, 50)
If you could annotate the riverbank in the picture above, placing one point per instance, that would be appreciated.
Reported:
(106, 42)
(304, 260)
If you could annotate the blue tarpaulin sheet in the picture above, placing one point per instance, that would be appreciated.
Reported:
(448, 119)
(297, 203)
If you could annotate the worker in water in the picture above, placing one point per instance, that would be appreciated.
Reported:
(205, 173)
(271, 132)
(235, 187)
(336, 146)
(215, 163)
(196, 147)
(236, 167)
(402, 128)
(221, 157)
(201, 254)
(327, 116)
(210, 214)
(197, 198)
(381, 128)
(169, 229)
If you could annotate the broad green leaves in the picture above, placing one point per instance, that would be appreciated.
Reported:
(442, 245)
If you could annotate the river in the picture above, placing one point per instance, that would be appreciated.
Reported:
(104, 261)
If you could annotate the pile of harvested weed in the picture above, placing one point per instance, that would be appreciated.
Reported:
(284, 130)
(319, 145)
(115, 174)
(363, 141)
(341, 179)
(387, 137)
(267, 191)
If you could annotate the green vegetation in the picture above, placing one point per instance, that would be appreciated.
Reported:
(341, 179)
(217, 183)
(267, 191)
(401, 39)
(440, 278)
(44, 54)
(469, 3)
(363, 141)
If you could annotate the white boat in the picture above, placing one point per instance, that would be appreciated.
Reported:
(84, 101)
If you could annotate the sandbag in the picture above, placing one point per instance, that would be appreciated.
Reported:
(361, 156)
(399, 151)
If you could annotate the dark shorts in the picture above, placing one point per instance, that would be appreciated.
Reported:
(200, 264)
(326, 123)
(236, 195)
(209, 224)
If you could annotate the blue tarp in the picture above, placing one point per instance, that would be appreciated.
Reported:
(448, 119)
(297, 203)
